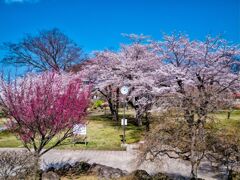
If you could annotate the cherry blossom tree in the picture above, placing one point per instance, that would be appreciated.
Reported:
(100, 72)
(135, 65)
(143, 71)
(44, 107)
(201, 81)
(189, 77)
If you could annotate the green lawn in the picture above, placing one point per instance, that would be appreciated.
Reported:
(103, 134)
(222, 115)
(9, 140)
(233, 123)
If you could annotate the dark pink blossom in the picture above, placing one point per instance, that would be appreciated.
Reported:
(43, 106)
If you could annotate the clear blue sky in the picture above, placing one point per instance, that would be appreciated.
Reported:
(98, 24)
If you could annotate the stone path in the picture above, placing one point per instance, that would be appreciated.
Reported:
(125, 160)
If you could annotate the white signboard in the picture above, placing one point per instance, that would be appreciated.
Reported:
(80, 129)
(123, 122)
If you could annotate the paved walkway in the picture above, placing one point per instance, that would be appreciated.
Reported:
(125, 160)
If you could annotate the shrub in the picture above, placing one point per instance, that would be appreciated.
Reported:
(17, 164)
(97, 104)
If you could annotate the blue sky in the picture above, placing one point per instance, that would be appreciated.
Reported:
(98, 24)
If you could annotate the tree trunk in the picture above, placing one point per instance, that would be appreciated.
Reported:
(138, 118)
(36, 166)
(113, 110)
(230, 176)
(189, 117)
(147, 121)
(117, 104)
(194, 170)
(110, 106)
(194, 155)
(115, 116)
(228, 114)
(113, 105)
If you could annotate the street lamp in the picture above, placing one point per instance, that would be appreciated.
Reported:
(124, 91)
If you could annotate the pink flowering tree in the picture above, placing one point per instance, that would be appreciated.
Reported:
(202, 81)
(103, 76)
(44, 107)
(136, 65)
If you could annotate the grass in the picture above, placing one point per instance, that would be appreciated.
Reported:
(224, 122)
(222, 115)
(7, 139)
(102, 134)
(229, 125)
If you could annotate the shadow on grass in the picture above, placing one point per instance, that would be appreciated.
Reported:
(109, 118)
(6, 134)
(102, 117)
(133, 137)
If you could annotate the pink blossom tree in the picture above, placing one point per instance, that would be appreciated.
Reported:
(135, 65)
(102, 74)
(44, 107)
(201, 82)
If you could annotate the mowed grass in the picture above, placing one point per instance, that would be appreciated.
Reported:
(103, 133)
(222, 115)
(7, 139)
(231, 124)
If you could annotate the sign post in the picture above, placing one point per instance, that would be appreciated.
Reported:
(124, 123)
(80, 130)
(124, 90)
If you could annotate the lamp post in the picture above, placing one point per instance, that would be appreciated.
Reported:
(124, 91)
